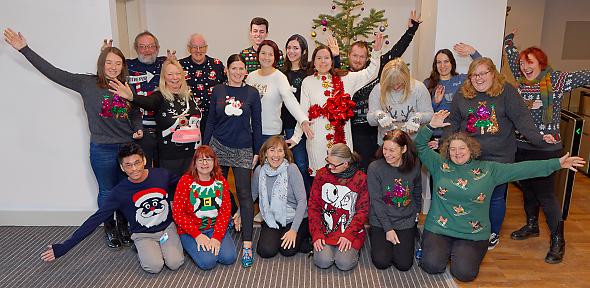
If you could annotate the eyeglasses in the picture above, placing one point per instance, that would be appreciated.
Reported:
(144, 47)
(480, 75)
(332, 165)
(203, 160)
(197, 47)
(131, 165)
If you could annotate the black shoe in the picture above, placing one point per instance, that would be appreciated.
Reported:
(531, 229)
(557, 246)
(111, 236)
(123, 229)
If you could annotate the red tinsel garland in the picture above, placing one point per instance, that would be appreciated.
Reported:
(338, 109)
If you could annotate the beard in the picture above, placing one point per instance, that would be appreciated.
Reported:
(154, 217)
(147, 59)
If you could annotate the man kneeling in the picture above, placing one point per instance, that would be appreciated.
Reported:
(143, 199)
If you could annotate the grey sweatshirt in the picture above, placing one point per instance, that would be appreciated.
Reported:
(511, 114)
(103, 129)
(296, 197)
(396, 197)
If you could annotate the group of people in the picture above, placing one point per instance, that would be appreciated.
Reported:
(370, 133)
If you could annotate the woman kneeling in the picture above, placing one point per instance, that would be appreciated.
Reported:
(202, 210)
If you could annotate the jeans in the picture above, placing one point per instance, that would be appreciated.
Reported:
(498, 207)
(205, 259)
(301, 159)
(105, 165)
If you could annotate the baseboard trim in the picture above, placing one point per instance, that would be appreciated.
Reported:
(43, 218)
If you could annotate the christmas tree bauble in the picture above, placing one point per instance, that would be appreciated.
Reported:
(386, 42)
(382, 28)
(324, 22)
(324, 29)
(313, 34)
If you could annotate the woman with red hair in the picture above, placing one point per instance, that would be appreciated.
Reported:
(202, 210)
(542, 90)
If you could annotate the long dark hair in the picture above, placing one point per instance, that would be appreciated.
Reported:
(333, 71)
(103, 81)
(402, 139)
(304, 60)
(434, 78)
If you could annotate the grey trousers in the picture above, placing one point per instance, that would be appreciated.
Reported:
(331, 255)
(153, 254)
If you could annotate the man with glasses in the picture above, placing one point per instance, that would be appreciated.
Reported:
(202, 74)
(144, 76)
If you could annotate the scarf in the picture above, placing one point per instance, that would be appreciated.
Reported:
(274, 210)
(349, 172)
(544, 81)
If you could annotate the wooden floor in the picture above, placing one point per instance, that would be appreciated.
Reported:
(520, 263)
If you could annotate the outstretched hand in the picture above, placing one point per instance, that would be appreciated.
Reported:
(413, 17)
(463, 49)
(48, 255)
(16, 40)
(438, 119)
(333, 44)
(571, 162)
(378, 42)
(171, 55)
(122, 89)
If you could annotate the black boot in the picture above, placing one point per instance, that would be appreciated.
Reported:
(111, 234)
(557, 246)
(531, 229)
(123, 228)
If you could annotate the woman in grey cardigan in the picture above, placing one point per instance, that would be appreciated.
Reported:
(395, 192)
(283, 201)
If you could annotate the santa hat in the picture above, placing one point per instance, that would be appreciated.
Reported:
(143, 195)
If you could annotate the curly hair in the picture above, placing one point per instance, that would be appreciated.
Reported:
(472, 144)
(499, 80)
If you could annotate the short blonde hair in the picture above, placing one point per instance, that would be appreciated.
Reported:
(395, 72)
(184, 93)
(499, 80)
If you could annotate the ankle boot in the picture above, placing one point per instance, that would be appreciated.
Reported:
(557, 246)
(123, 228)
(111, 236)
(531, 229)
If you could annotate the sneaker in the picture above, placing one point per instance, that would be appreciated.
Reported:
(494, 240)
(247, 257)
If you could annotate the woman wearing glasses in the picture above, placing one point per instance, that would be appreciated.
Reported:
(337, 210)
(490, 110)
(202, 212)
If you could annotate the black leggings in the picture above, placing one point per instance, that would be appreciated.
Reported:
(540, 192)
(466, 255)
(384, 253)
(242, 180)
(269, 243)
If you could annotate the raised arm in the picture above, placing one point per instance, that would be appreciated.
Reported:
(402, 44)
(512, 55)
(429, 158)
(61, 77)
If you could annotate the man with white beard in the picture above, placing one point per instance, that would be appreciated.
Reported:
(143, 200)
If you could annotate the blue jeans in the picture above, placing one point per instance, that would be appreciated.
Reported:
(498, 207)
(205, 259)
(301, 159)
(105, 165)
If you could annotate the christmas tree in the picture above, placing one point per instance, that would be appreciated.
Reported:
(347, 26)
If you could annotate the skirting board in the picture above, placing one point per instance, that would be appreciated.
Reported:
(43, 218)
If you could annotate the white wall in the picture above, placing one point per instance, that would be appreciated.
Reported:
(479, 23)
(225, 23)
(527, 16)
(557, 13)
(44, 148)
